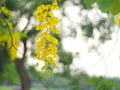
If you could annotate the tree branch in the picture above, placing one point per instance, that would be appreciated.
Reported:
(25, 48)
(29, 18)
(11, 37)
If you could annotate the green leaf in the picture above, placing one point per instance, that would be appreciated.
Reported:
(88, 3)
(115, 8)
(13, 5)
(104, 5)
(22, 35)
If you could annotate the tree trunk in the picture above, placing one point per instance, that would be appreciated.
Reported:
(25, 80)
(66, 71)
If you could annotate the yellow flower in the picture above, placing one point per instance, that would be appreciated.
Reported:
(117, 19)
(46, 49)
(53, 47)
(50, 14)
(37, 64)
(41, 27)
(54, 41)
(57, 31)
(12, 47)
(52, 61)
(43, 68)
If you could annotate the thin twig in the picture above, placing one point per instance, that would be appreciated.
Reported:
(1, 15)
(116, 41)
(11, 37)
(106, 58)
(29, 18)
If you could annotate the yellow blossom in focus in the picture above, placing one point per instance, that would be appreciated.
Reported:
(46, 49)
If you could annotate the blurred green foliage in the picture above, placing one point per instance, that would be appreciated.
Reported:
(111, 6)
(104, 5)
(88, 3)
(5, 88)
(65, 57)
(9, 75)
(79, 81)
(4, 57)
(115, 7)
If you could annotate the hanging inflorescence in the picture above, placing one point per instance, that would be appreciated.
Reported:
(46, 49)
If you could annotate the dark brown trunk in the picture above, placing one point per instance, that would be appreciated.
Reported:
(25, 80)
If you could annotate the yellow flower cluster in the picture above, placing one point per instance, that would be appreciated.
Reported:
(5, 37)
(46, 49)
(12, 47)
(117, 19)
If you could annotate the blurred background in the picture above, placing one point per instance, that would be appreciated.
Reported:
(89, 50)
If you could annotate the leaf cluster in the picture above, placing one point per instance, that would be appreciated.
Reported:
(111, 6)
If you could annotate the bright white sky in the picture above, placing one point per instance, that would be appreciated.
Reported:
(92, 63)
